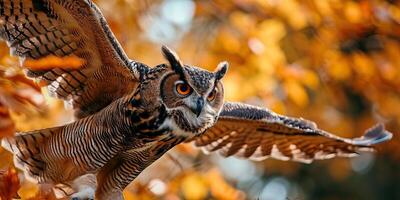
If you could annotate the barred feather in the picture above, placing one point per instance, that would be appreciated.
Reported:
(36, 29)
(256, 133)
(61, 154)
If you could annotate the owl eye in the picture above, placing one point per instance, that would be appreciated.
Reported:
(212, 95)
(183, 89)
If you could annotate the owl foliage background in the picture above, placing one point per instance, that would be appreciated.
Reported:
(267, 42)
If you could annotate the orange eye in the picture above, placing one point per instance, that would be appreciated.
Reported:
(212, 95)
(183, 89)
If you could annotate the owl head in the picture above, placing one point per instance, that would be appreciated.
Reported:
(193, 97)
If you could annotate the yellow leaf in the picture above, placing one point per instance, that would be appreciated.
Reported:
(194, 187)
(353, 12)
(296, 93)
(278, 107)
(229, 41)
(395, 12)
(293, 12)
(323, 7)
(310, 79)
(242, 21)
(28, 190)
(364, 65)
(271, 31)
(220, 188)
(338, 67)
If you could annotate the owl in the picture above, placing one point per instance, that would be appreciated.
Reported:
(129, 114)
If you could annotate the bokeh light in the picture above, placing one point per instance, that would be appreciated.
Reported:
(334, 62)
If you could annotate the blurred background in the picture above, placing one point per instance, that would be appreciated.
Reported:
(336, 62)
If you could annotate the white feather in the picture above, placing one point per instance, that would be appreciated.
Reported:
(204, 121)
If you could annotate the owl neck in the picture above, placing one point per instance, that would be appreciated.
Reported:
(148, 126)
(157, 124)
(144, 120)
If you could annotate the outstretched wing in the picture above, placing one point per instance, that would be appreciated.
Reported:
(257, 133)
(47, 31)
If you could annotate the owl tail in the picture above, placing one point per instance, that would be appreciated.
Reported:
(26, 148)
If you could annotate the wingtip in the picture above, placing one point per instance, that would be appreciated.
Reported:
(375, 135)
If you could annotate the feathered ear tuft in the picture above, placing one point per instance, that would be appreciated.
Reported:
(173, 59)
(221, 70)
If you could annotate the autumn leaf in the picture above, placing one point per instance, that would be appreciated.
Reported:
(220, 188)
(19, 78)
(7, 126)
(51, 62)
(296, 93)
(32, 191)
(335, 46)
(28, 190)
(9, 184)
(17, 94)
(45, 192)
(194, 186)
(16, 91)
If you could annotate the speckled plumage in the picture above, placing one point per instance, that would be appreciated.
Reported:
(204, 79)
(128, 114)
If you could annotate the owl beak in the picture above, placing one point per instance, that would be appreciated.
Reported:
(198, 107)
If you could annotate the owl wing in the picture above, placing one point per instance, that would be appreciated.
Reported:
(257, 133)
(51, 32)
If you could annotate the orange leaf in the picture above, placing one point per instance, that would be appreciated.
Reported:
(33, 191)
(9, 184)
(22, 79)
(50, 62)
(296, 93)
(7, 126)
(220, 188)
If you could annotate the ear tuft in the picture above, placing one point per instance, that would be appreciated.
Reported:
(173, 59)
(221, 70)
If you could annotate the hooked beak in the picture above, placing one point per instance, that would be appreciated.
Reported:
(198, 107)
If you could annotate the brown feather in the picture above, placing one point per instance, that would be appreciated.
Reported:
(69, 28)
(258, 133)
